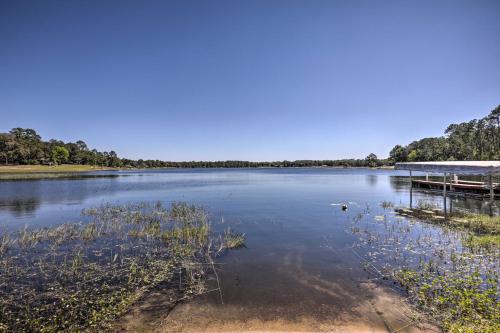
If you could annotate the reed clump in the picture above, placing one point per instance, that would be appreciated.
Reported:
(387, 204)
(82, 276)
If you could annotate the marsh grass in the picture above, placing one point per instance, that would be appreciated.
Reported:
(426, 205)
(450, 273)
(482, 230)
(82, 276)
(386, 204)
(483, 242)
(479, 223)
(234, 240)
(460, 302)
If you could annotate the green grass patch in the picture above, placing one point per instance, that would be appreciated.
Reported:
(50, 168)
(478, 223)
(459, 302)
(488, 242)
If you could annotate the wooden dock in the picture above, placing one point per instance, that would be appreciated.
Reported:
(451, 185)
(460, 187)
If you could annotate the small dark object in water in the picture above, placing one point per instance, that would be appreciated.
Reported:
(344, 207)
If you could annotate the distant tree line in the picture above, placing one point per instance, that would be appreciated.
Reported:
(25, 146)
(478, 139)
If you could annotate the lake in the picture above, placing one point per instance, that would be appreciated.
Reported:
(298, 270)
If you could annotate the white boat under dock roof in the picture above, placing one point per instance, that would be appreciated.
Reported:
(457, 167)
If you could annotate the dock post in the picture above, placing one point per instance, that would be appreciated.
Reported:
(492, 193)
(452, 177)
(444, 197)
(427, 176)
(411, 191)
(451, 206)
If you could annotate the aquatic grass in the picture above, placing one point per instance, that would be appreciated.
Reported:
(233, 240)
(461, 303)
(426, 205)
(482, 230)
(482, 242)
(448, 271)
(386, 204)
(5, 242)
(82, 276)
(479, 223)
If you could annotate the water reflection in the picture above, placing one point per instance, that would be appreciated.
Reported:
(20, 207)
(371, 179)
(400, 183)
(23, 198)
(244, 191)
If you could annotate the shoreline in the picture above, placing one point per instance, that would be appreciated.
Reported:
(27, 172)
(22, 169)
(38, 172)
(46, 171)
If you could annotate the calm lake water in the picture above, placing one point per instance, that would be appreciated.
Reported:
(298, 255)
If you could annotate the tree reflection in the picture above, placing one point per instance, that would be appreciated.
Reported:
(20, 207)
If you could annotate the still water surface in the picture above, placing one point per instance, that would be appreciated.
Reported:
(298, 261)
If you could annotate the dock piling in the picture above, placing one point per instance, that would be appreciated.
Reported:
(444, 196)
(411, 191)
(492, 193)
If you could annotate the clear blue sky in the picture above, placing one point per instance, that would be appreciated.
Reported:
(252, 80)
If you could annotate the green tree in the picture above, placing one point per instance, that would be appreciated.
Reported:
(4, 147)
(59, 155)
(25, 145)
(412, 156)
(371, 160)
(398, 154)
(478, 139)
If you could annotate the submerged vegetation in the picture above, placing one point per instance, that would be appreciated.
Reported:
(450, 273)
(481, 230)
(81, 276)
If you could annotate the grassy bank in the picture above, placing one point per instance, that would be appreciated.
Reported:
(23, 169)
(82, 276)
(20, 172)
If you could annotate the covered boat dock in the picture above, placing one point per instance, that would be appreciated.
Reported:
(453, 169)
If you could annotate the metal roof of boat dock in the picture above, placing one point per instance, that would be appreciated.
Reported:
(458, 167)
